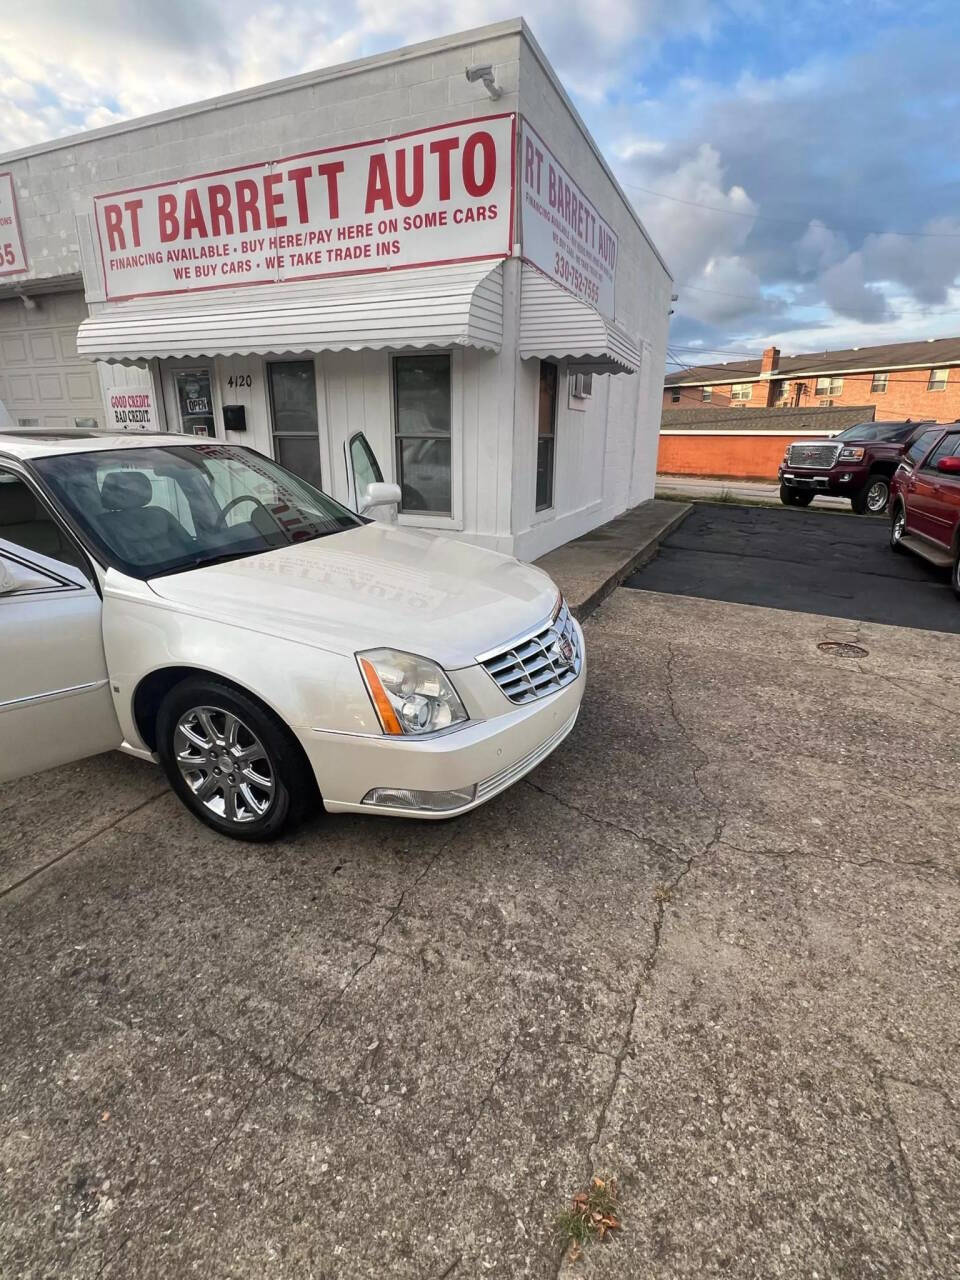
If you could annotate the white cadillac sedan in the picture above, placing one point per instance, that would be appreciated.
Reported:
(197, 605)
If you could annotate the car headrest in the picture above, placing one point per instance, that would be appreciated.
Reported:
(17, 504)
(124, 490)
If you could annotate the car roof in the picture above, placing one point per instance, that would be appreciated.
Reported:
(44, 444)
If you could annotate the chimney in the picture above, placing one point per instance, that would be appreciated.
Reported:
(770, 361)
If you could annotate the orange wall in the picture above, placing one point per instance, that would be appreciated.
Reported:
(732, 457)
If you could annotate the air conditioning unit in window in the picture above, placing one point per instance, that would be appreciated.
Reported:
(582, 386)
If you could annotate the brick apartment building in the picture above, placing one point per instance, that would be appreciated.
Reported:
(900, 380)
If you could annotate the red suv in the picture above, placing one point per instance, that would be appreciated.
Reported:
(925, 500)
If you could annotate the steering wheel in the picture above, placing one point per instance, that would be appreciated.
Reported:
(235, 502)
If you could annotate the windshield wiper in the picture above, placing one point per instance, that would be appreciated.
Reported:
(202, 561)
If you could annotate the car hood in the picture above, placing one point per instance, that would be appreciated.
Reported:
(376, 585)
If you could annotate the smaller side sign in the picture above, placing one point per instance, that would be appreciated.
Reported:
(561, 230)
(13, 256)
(131, 410)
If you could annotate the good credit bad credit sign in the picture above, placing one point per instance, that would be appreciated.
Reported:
(562, 232)
(437, 195)
(13, 257)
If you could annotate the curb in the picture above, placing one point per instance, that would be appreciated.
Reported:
(643, 555)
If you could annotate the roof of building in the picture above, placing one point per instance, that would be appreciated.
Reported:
(924, 354)
(815, 419)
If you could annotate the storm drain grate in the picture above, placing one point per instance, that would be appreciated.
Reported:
(840, 649)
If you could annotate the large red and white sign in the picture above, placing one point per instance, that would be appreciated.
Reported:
(437, 195)
(13, 256)
(562, 232)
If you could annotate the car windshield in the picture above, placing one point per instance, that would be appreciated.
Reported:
(873, 432)
(151, 511)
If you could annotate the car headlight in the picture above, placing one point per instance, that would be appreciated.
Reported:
(411, 695)
(850, 454)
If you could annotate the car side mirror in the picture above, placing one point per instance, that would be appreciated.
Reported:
(378, 494)
(949, 465)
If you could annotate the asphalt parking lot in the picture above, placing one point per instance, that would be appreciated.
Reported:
(711, 946)
(809, 560)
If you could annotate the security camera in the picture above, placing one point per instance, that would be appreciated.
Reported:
(484, 71)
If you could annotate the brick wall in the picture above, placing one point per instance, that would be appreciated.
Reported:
(743, 456)
(906, 395)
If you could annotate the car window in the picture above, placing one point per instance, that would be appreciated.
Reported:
(366, 469)
(949, 447)
(919, 447)
(870, 432)
(151, 510)
(27, 523)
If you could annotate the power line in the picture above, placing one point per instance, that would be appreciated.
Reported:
(793, 222)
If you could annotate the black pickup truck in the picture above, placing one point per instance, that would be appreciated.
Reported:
(856, 463)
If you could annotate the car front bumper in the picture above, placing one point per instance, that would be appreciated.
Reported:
(842, 481)
(485, 755)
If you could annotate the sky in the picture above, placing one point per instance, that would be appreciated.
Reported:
(795, 161)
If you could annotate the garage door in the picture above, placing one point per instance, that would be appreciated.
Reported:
(43, 383)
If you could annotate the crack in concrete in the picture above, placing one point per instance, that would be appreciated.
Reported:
(445, 1275)
(913, 864)
(905, 1165)
(284, 1067)
(604, 822)
(37, 871)
(484, 1101)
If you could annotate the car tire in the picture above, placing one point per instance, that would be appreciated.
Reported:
(788, 496)
(234, 764)
(898, 527)
(955, 571)
(873, 498)
(803, 499)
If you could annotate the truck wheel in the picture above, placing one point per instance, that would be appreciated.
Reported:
(872, 499)
(898, 527)
(788, 496)
(955, 572)
(803, 499)
(231, 761)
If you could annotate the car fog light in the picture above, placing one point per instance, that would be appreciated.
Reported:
(433, 801)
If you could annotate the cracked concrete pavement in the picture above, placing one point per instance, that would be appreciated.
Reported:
(711, 946)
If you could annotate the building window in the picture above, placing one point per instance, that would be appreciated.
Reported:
(741, 391)
(938, 380)
(829, 387)
(674, 397)
(706, 394)
(879, 383)
(421, 400)
(195, 402)
(780, 395)
(546, 434)
(296, 425)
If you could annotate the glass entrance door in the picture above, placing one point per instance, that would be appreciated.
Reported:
(293, 410)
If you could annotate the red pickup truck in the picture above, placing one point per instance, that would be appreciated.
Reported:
(925, 500)
(856, 463)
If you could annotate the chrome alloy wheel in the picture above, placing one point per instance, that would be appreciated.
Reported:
(899, 525)
(224, 764)
(877, 496)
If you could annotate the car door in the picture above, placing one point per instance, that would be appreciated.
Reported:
(935, 492)
(55, 701)
(362, 468)
(915, 483)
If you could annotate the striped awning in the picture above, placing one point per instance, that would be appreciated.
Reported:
(556, 325)
(448, 306)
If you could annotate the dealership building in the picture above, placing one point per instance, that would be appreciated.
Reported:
(417, 265)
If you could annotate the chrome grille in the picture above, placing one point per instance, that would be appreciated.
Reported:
(812, 455)
(540, 663)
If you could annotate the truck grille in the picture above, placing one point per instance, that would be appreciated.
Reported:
(540, 663)
(812, 455)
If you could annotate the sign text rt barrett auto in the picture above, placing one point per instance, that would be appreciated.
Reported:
(437, 195)
(562, 232)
